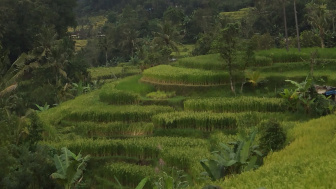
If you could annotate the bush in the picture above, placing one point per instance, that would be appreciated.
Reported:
(161, 95)
(203, 45)
(309, 39)
(262, 42)
(272, 137)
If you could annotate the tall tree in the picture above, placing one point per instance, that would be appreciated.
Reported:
(317, 18)
(227, 46)
(285, 22)
(297, 27)
(22, 20)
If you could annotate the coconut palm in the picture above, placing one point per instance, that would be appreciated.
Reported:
(167, 36)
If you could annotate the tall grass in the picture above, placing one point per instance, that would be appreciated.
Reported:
(116, 113)
(204, 121)
(142, 148)
(129, 174)
(207, 62)
(239, 104)
(110, 72)
(184, 76)
(119, 97)
(92, 129)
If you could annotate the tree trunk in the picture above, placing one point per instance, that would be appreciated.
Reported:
(231, 78)
(297, 27)
(322, 38)
(285, 22)
(106, 57)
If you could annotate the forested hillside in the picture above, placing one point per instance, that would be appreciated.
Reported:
(167, 93)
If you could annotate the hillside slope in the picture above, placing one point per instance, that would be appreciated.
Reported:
(309, 161)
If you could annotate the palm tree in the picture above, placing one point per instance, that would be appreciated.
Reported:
(167, 36)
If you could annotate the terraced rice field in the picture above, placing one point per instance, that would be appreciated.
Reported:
(131, 137)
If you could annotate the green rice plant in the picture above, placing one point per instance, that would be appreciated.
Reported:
(116, 113)
(161, 95)
(132, 84)
(119, 97)
(281, 55)
(191, 133)
(166, 74)
(283, 67)
(142, 148)
(206, 62)
(204, 121)
(129, 174)
(261, 61)
(92, 129)
(185, 158)
(109, 72)
(239, 104)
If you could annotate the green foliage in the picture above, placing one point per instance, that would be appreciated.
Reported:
(80, 88)
(262, 42)
(70, 168)
(128, 174)
(118, 97)
(132, 84)
(119, 113)
(238, 104)
(22, 167)
(261, 61)
(182, 76)
(281, 56)
(42, 108)
(203, 121)
(226, 44)
(309, 39)
(176, 181)
(192, 133)
(94, 130)
(203, 44)
(308, 161)
(161, 95)
(243, 156)
(272, 136)
(142, 148)
(206, 62)
(254, 78)
(185, 158)
(305, 98)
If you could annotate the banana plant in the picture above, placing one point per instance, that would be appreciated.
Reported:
(80, 88)
(70, 168)
(228, 160)
(42, 108)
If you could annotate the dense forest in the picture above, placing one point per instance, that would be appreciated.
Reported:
(50, 51)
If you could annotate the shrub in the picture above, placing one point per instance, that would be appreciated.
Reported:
(309, 39)
(161, 95)
(262, 42)
(272, 137)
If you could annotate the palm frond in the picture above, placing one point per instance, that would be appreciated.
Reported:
(8, 89)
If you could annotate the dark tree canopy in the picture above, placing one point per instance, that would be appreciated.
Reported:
(22, 20)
